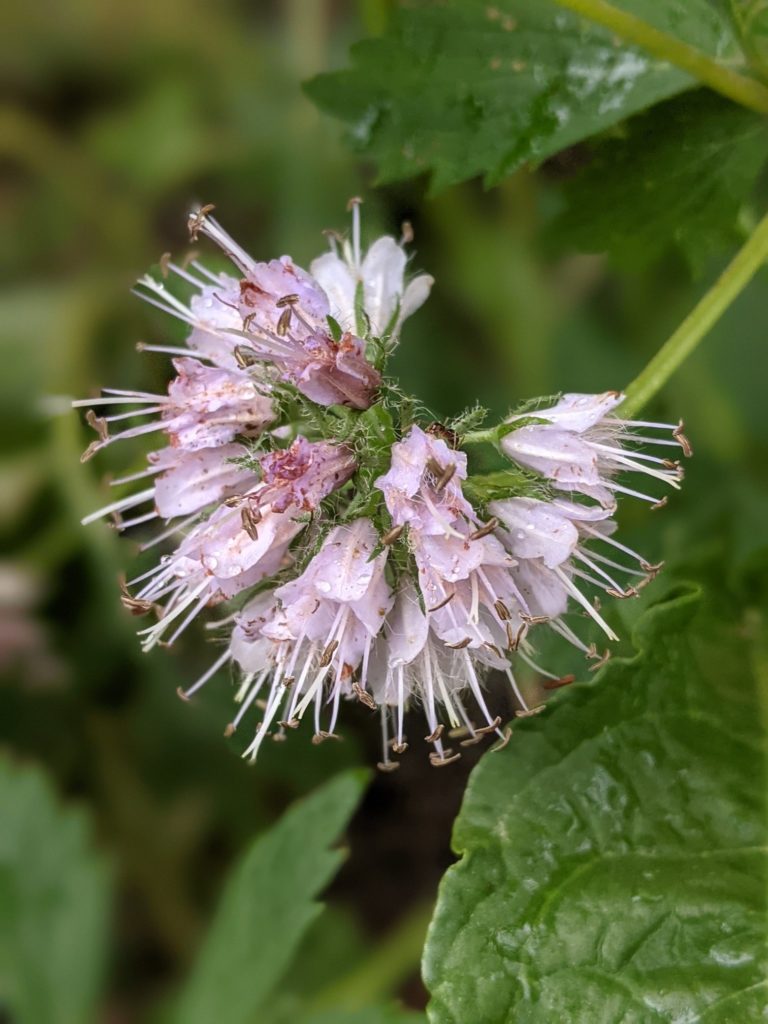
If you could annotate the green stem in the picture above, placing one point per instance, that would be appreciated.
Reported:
(489, 436)
(746, 91)
(702, 317)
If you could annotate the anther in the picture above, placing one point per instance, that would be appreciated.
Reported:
(164, 260)
(230, 730)
(399, 748)
(353, 202)
(406, 232)
(501, 610)
(363, 696)
(555, 684)
(181, 693)
(388, 766)
(533, 620)
(284, 322)
(197, 219)
(443, 603)
(503, 742)
(491, 727)
(445, 478)
(250, 519)
(661, 503)
(682, 440)
(98, 423)
(244, 357)
(489, 527)
(461, 644)
(392, 535)
(438, 761)
(603, 660)
(529, 712)
(435, 736)
(328, 653)
(287, 300)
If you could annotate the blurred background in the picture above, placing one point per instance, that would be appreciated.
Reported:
(116, 118)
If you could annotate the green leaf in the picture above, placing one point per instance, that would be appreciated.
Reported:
(54, 896)
(679, 174)
(614, 854)
(465, 87)
(267, 906)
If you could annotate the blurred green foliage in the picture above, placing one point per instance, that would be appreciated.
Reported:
(119, 117)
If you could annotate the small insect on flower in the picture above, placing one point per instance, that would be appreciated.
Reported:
(296, 491)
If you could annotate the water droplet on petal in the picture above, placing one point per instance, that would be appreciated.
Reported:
(323, 586)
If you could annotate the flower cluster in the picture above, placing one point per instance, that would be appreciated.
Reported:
(357, 556)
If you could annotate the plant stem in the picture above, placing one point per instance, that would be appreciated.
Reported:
(488, 436)
(746, 91)
(702, 317)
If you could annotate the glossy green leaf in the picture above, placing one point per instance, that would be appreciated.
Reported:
(614, 854)
(465, 87)
(268, 905)
(679, 174)
(54, 895)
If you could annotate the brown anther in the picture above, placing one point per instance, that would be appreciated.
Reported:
(291, 723)
(284, 322)
(682, 440)
(445, 478)
(363, 696)
(287, 300)
(513, 639)
(406, 232)
(440, 762)
(98, 423)
(529, 712)
(443, 603)
(501, 610)
(435, 736)
(458, 732)
(392, 535)
(494, 648)
(318, 738)
(353, 202)
(180, 692)
(388, 766)
(328, 653)
(661, 503)
(503, 742)
(244, 357)
(673, 464)
(555, 684)
(472, 741)
(133, 604)
(533, 620)
(288, 681)
(279, 737)
(91, 450)
(248, 320)
(435, 468)
(491, 727)
(489, 527)
(197, 219)
(603, 660)
(233, 501)
(399, 748)
(164, 260)
(461, 644)
(652, 570)
(230, 730)
(621, 594)
(250, 519)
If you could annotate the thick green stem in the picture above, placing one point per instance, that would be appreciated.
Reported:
(676, 350)
(489, 436)
(746, 91)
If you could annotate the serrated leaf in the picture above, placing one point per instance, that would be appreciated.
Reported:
(464, 87)
(679, 174)
(54, 896)
(267, 906)
(614, 854)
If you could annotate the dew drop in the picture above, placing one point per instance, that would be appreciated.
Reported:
(323, 586)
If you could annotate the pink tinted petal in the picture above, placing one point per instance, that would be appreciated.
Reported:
(195, 479)
(536, 529)
(337, 281)
(557, 454)
(578, 412)
(407, 626)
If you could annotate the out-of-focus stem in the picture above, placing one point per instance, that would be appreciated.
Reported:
(696, 325)
(740, 88)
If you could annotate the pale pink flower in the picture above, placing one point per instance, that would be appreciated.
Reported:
(379, 278)
(581, 447)
(321, 628)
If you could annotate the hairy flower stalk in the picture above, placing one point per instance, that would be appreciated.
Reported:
(296, 492)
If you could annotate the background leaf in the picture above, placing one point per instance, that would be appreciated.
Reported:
(267, 906)
(614, 859)
(465, 87)
(54, 895)
(678, 174)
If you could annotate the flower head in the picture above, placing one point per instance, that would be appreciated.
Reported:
(357, 555)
